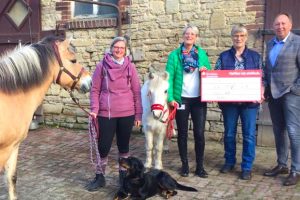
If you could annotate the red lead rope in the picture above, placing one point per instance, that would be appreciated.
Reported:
(170, 125)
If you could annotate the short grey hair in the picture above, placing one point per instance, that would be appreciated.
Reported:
(238, 29)
(288, 15)
(194, 28)
(118, 39)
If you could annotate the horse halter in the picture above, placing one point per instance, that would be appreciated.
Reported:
(63, 69)
(164, 112)
(159, 107)
(74, 78)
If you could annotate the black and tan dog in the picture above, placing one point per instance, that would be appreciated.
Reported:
(139, 185)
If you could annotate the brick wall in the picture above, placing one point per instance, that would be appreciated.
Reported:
(154, 28)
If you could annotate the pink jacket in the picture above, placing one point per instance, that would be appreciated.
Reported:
(116, 90)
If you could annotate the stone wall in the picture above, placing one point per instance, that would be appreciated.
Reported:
(154, 30)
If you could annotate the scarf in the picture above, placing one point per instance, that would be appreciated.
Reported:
(189, 59)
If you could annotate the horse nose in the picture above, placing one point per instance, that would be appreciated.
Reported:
(156, 114)
(86, 84)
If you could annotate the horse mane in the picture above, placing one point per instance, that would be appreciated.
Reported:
(26, 67)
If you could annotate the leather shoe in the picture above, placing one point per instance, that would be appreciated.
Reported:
(97, 183)
(226, 168)
(201, 173)
(246, 175)
(277, 170)
(292, 179)
(184, 172)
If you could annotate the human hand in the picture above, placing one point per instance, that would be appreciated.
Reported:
(93, 115)
(137, 123)
(174, 104)
(262, 98)
(202, 69)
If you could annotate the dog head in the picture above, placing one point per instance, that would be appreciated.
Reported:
(133, 165)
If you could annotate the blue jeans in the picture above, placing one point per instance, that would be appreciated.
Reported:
(231, 114)
(285, 115)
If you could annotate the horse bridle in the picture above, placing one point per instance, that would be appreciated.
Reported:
(159, 107)
(164, 111)
(74, 78)
(169, 120)
(63, 69)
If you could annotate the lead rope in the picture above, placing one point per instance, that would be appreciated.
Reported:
(94, 134)
(170, 125)
(94, 150)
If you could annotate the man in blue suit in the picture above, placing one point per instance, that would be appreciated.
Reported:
(282, 81)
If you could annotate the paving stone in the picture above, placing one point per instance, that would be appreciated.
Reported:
(54, 164)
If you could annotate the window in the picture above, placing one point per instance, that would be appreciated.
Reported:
(84, 10)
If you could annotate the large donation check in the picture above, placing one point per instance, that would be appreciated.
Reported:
(231, 85)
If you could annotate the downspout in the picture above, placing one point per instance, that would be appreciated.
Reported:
(106, 4)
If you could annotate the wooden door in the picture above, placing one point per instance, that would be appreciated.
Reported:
(20, 22)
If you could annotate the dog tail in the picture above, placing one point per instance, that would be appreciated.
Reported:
(185, 188)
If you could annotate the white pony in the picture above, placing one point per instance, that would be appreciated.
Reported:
(155, 116)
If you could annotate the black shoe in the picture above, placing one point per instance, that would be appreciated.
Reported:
(292, 179)
(226, 168)
(122, 175)
(98, 182)
(277, 170)
(201, 173)
(246, 175)
(184, 170)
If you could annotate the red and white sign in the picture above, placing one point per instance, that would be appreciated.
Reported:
(231, 85)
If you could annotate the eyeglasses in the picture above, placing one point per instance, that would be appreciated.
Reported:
(239, 36)
(120, 48)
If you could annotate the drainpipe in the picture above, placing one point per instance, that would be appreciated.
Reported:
(106, 4)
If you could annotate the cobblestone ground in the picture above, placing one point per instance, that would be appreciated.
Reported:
(54, 164)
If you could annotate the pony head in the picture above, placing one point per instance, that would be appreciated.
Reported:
(158, 94)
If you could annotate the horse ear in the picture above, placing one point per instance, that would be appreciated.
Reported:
(151, 75)
(166, 75)
(68, 41)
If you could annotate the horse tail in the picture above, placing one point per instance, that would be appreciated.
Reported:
(185, 188)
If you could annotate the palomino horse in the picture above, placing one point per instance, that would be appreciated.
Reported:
(26, 73)
(155, 116)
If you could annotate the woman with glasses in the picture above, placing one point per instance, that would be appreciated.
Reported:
(239, 57)
(115, 100)
(184, 66)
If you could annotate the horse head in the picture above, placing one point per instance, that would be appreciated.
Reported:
(70, 74)
(158, 94)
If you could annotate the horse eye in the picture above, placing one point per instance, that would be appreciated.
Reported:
(73, 61)
(166, 91)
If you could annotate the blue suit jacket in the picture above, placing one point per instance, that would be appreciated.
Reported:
(284, 77)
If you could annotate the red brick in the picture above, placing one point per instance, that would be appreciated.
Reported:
(255, 8)
(255, 2)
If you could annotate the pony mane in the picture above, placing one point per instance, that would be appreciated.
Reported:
(26, 67)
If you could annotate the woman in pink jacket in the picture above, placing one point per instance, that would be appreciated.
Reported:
(116, 103)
